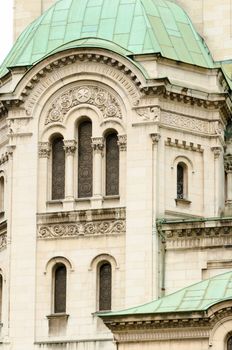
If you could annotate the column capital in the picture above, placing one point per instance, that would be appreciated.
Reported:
(155, 137)
(70, 147)
(98, 144)
(228, 163)
(217, 150)
(44, 149)
(122, 142)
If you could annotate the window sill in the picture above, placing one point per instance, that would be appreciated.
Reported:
(111, 197)
(182, 201)
(61, 315)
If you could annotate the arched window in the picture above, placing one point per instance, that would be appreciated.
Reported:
(105, 286)
(1, 194)
(85, 160)
(58, 168)
(229, 343)
(181, 180)
(112, 165)
(60, 276)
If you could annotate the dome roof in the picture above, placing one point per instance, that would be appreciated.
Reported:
(124, 26)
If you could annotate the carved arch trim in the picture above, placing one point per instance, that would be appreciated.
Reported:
(56, 260)
(82, 94)
(103, 257)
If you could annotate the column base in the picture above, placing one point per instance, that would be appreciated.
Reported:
(228, 208)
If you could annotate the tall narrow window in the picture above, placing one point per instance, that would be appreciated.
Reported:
(112, 165)
(1, 287)
(181, 181)
(105, 286)
(60, 276)
(85, 160)
(1, 194)
(229, 343)
(58, 168)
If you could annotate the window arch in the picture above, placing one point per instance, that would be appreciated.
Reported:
(105, 285)
(112, 164)
(229, 343)
(181, 180)
(2, 189)
(85, 160)
(58, 168)
(60, 281)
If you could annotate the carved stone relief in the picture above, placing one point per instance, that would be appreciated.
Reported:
(86, 94)
(82, 229)
(148, 113)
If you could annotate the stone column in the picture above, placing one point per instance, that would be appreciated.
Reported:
(44, 176)
(217, 151)
(98, 147)
(156, 275)
(122, 144)
(70, 150)
(228, 170)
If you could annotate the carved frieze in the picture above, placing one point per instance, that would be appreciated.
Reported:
(86, 94)
(82, 224)
(82, 229)
(189, 123)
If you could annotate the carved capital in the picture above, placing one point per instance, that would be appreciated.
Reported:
(44, 150)
(10, 150)
(70, 147)
(155, 138)
(98, 144)
(122, 142)
(217, 151)
(228, 163)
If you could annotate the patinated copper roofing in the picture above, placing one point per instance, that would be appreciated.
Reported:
(125, 26)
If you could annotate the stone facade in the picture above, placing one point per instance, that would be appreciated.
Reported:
(155, 241)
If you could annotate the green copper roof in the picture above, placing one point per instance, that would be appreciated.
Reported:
(134, 26)
(198, 297)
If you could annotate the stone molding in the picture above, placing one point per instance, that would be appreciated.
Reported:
(44, 149)
(82, 224)
(183, 145)
(196, 235)
(98, 144)
(70, 147)
(122, 142)
(83, 94)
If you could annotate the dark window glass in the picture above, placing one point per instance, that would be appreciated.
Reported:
(1, 194)
(58, 169)
(112, 165)
(60, 289)
(105, 287)
(180, 181)
(229, 344)
(85, 160)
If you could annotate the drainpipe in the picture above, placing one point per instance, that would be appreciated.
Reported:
(162, 259)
